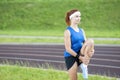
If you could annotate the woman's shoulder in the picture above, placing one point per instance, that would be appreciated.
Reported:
(67, 31)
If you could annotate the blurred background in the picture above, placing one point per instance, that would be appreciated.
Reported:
(43, 18)
(43, 21)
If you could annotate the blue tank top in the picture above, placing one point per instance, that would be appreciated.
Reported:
(77, 39)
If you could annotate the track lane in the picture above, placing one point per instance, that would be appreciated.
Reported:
(105, 60)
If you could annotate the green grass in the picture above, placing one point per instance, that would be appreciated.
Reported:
(24, 15)
(100, 18)
(26, 73)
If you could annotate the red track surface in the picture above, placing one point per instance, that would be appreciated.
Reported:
(106, 60)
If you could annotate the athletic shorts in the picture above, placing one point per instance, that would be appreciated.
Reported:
(70, 61)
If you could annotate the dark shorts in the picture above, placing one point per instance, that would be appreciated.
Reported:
(70, 61)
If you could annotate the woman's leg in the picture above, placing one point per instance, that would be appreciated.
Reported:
(91, 48)
(86, 48)
(84, 69)
(82, 51)
(83, 66)
(73, 71)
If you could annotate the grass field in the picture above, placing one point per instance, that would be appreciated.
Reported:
(27, 73)
(100, 18)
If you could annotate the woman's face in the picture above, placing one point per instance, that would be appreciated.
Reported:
(76, 18)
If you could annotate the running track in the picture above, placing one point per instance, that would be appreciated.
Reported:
(106, 60)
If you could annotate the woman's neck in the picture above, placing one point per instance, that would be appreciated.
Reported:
(75, 27)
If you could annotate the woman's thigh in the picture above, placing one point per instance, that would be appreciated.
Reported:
(73, 71)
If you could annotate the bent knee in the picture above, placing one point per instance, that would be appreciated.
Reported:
(90, 41)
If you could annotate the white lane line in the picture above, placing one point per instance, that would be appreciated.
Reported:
(23, 54)
(33, 48)
(17, 49)
(107, 66)
(49, 48)
(106, 60)
(56, 44)
(58, 56)
(32, 37)
(97, 65)
(33, 43)
(20, 51)
(104, 51)
(54, 52)
(14, 58)
(51, 37)
(111, 55)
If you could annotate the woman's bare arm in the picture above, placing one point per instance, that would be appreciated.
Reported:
(67, 42)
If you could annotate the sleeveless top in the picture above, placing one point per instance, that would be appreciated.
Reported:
(77, 39)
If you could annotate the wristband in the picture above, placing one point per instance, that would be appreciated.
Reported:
(77, 56)
(82, 55)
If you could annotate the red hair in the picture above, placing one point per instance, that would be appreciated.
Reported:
(67, 19)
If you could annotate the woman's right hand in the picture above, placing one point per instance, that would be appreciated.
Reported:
(83, 59)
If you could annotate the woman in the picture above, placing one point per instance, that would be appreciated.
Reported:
(74, 38)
